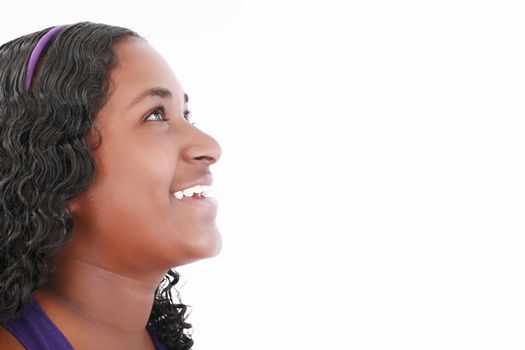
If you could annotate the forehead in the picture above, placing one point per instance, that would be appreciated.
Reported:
(140, 67)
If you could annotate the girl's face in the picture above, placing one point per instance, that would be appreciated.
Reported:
(129, 217)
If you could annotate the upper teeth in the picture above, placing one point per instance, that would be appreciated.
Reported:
(204, 191)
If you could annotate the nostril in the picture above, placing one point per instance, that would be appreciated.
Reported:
(209, 160)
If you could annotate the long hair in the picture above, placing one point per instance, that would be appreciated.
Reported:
(46, 158)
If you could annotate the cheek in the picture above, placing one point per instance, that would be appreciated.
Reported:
(143, 156)
(136, 189)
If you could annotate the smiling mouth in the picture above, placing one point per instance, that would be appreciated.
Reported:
(194, 192)
(194, 196)
(197, 201)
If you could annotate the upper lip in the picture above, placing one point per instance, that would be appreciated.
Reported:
(206, 180)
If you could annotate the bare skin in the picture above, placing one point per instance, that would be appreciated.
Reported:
(129, 229)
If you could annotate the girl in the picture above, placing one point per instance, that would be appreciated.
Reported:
(104, 188)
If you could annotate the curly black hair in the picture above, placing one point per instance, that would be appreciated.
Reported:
(46, 158)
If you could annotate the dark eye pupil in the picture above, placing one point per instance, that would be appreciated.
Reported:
(159, 113)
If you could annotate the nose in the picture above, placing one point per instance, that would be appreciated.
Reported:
(202, 147)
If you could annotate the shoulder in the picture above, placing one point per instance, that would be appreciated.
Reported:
(8, 340)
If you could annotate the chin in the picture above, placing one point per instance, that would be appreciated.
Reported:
(218, 247)
(213, 248)
(206, 249)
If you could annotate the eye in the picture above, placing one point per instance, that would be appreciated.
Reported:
(161, 111)
(187, 115)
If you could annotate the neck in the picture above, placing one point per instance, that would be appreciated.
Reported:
(103, 298)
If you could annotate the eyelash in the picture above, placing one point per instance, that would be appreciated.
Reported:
(160, 108)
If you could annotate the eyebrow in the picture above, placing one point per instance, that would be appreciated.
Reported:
(155, 91)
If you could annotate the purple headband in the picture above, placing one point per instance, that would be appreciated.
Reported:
(38, 50)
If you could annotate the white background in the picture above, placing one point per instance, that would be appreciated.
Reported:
(371, 186)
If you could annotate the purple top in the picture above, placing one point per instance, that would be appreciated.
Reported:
(37, 332)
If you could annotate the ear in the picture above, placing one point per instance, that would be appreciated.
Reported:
(73, 204)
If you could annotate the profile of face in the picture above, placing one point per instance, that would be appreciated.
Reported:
(129, 218)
